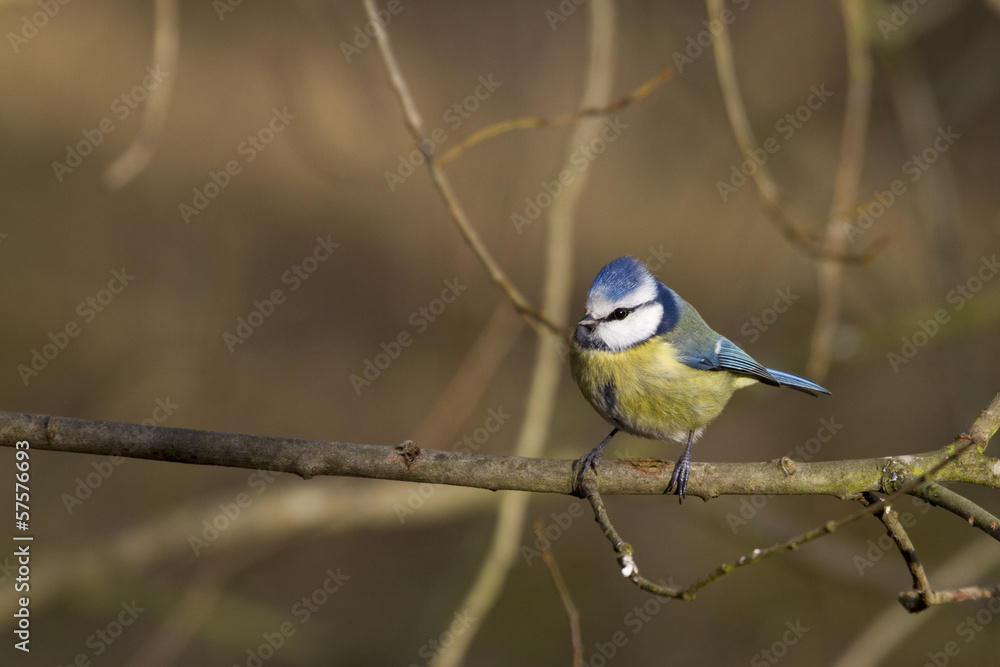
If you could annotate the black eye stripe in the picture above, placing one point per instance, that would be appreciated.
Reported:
(625, 312)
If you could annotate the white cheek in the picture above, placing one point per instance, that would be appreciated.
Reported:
(619, 335)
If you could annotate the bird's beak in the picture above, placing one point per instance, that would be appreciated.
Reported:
(586, 331)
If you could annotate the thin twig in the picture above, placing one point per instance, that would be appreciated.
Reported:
(536, 122)
(898, 534)
(469, 234)
(882, 635)
(576, 638)
(771, 198)
(955, 503)
(630, 569)
(986, 425)
(845, 185)
(967, 444)
(623, 550)
(915, 602)
(541, 398)
(166, 39)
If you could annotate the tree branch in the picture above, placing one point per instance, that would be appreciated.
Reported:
(540, 401)
(538, 122)
(884, 634)
(913, 600)
(166, 41)
(771, 199)
(411, 463)
(845, 186)
(962, 460)
(576, 640)
(955, 503)
(923, 596)
(411, 116)
(898, 534)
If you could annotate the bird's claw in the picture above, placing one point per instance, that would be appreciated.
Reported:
(679, 479)
(589, 460)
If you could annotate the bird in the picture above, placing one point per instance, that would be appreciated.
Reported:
(649, 364)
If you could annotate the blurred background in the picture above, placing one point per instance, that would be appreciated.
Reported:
(283, 165)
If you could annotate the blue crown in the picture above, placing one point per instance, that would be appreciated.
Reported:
(620, 277)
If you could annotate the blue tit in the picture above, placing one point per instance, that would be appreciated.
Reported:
(648, 363)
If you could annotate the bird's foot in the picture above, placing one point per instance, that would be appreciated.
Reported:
(682, 472)
(589, 460)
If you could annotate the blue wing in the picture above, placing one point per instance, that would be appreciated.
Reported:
(796, 382)
(700, 347)
(724, 355)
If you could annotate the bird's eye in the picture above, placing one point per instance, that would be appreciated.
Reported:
(619, 313)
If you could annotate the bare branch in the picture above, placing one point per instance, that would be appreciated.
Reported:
(443, 185)
(408, 462)
(536, 122)
(541, 399)
(771, 199)
(923, 596)
(166, 38)
(986, 425)
(956, 503)
(884, 634)
(845, 185)
(960, 461)
(898, 534)
(564, 596)
(915, 602)
(964, 446)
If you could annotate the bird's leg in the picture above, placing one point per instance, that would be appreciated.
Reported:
(593, 458)
(682, 470)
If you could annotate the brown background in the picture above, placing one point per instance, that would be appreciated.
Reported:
(654, 186)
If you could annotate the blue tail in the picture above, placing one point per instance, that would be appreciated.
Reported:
(795, 382)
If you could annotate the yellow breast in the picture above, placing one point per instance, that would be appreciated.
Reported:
(644, 390)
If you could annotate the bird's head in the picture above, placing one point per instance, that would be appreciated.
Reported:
(626, 306)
